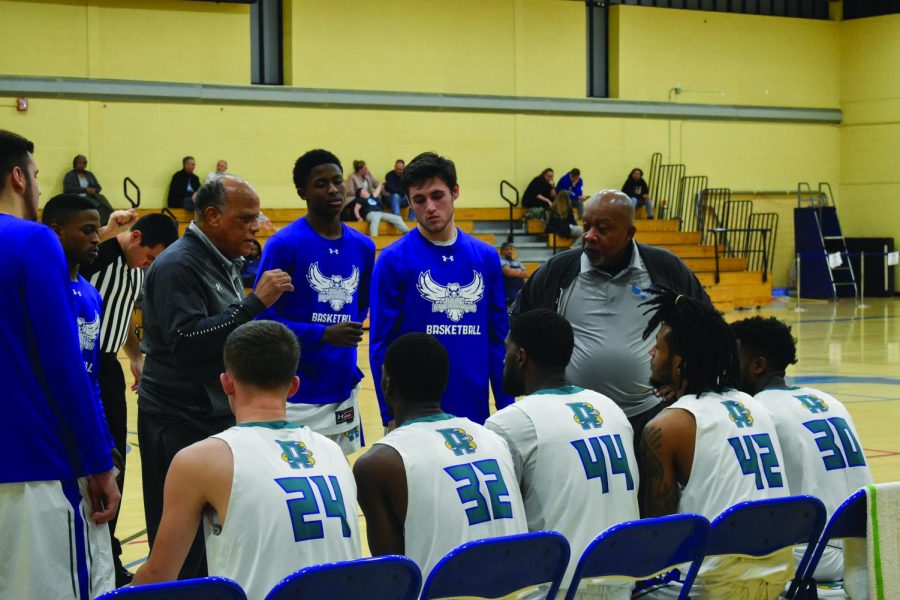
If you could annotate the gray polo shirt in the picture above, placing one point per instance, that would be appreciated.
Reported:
(610, 357)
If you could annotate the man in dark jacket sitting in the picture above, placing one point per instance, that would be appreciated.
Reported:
(184, 185)
(598, 288)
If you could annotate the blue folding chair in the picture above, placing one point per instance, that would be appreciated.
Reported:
(848, 521)
(760, 527)
(205, 588)
(499, 566)
(641, 549)
(379, 578)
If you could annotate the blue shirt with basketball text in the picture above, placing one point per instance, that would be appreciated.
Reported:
(455, 293)
(331, 285)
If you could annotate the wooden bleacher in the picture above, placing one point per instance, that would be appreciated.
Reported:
(737, 288)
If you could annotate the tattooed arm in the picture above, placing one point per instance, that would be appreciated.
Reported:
(666, 455)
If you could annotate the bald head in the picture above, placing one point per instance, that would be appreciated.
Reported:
(608, 229)
(614, 202)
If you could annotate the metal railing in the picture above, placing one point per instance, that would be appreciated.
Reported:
(688, 201)
(666, 185)
(655, 162)
(511, 204)
(134, 202)
(761, 248)
(711, 211)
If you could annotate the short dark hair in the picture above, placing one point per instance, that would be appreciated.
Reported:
(545, 335)
(576, 172)
(63, 207)
(156, 229)
(545, 171)
(14, 151)
(700, 336)
(211, 193)
(770, 338)
(263, 354)
(506, 245)
(358, 164)
(400, 160)
(186, 159)
(428, 165)
(309, 161)
(77, 158)
(419, 367)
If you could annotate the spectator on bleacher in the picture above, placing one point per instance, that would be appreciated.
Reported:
(636, 188)
(561, 219)
(411, 481)
(393, 189)
(251, 265)
(221, 169)
(184, 185)
(82, 182)
(598, 288)
(803, 418)
(118, 274)
(550, 432)
(694, 454)
(514, 273)
(238, 479)
(540, 192)
(572, 183)
(193, 298)
(57, 480)
(366, 191)
(333, 267)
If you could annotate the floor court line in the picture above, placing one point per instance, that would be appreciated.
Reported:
(843, 379)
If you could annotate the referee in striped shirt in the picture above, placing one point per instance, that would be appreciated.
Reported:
(118, 274)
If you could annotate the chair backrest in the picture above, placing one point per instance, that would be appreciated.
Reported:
(641, 549)
(496, 567)
(206, 588)
(848, 521)
(379, 578)
(761, 527)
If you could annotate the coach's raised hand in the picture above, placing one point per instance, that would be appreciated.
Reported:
(271, 285)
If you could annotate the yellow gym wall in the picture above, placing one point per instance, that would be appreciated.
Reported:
(502, 47)
(869, 196)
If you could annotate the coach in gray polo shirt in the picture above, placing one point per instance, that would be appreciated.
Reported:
(598, 288)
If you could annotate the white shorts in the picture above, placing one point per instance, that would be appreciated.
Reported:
(50, 548)
(340, 422)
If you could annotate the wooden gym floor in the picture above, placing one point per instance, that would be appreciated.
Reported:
(851, 353)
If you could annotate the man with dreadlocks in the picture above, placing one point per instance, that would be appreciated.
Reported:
(713, 448)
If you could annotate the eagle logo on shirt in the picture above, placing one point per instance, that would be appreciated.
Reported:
(88, 332)
(335, 290)
(453, 299)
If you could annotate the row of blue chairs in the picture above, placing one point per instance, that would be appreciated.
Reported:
(496, 567)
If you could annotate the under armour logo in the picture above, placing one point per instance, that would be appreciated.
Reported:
(334, 251)
(447, 258)
(76, 292)
(219, 287)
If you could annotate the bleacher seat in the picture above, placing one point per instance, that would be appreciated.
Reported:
(205, 588)
(497, 567)
(645, 548)
(380, 578)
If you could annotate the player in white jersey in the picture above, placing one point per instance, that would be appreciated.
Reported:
(572, 448)
(436, 481)
(822, 452)
(275, 496)
(713, 448)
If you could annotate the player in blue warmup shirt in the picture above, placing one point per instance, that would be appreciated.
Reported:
(446, 283)
(331, 267)
(57, 482)
(77, 223)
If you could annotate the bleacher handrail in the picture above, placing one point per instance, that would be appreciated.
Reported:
(125, 182)
(511, 204)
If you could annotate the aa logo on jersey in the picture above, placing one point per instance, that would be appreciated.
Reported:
(335, 290)
(457, 440)
(88, 332)
(296, 454)
(586, 415)
(813, 404)
(452, 299)
(738, 413)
